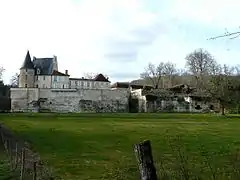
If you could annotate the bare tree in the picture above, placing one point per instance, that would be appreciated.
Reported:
(1, 72)
(170, 72)
(153, 73)
(237, 69)
(223, 87)
(182, 72)
(14, 80)
(200, 64)
(91, 75)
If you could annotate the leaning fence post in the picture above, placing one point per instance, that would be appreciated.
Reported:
(16, 154)
(2, 138)
(22, 164)
(10, 153)
(143, 152)
(34, 170)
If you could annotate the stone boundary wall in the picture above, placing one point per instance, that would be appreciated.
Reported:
(69, 100)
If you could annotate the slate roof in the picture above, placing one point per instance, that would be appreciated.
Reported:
(27, 64)
(44, 64)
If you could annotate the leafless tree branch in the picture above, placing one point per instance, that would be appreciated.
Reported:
(226, 34)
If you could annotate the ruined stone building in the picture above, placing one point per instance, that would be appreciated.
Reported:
(178, 98)
(41, 87)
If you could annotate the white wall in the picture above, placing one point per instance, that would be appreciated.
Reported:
(42, 81)
(60, 82)
(87, 84)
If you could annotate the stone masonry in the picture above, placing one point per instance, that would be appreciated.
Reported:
(69, 100)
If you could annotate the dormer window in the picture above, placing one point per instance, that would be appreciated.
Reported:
(38, 71)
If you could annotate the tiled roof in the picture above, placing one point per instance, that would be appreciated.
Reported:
(57, 73)
(99, 78)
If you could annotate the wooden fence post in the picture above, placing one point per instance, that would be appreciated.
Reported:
(10, 153)
(143, 152)
(22, 164)
(16, 155)
(34, 170)
(1, 133)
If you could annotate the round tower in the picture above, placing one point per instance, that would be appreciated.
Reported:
(27, 73)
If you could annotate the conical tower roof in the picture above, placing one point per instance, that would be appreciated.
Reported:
(27, 64)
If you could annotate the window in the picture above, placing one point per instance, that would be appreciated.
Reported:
(63, 86)
(37, 86)
(55, 78)
(25, 85)
(38, 71)
(26, 77)
(82, 83)
(36, 78)
(43, 77)
(43, 85)
(88, 84)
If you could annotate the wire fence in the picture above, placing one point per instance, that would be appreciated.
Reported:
(24, 163)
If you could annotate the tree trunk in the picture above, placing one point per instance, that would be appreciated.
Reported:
(222, 110)
(143, 152)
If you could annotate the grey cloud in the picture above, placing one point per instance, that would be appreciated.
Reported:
(123, 75)
(122, 56)
(121, 50)
(145, 36)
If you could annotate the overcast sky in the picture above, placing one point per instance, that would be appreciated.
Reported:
(115, 37)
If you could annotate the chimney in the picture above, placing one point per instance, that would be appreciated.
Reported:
(66, 72)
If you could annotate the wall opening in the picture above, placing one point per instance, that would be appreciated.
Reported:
(211, 107)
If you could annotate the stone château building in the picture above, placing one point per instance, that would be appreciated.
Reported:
(41, 87)
(43, 73)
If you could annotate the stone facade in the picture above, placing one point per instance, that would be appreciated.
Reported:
(26, 78)
(178, 103)
(43, 88)
(69, 100)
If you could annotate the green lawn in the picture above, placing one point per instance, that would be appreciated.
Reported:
(100, 146)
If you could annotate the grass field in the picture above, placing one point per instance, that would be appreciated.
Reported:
(100, 146)
(5, 172)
